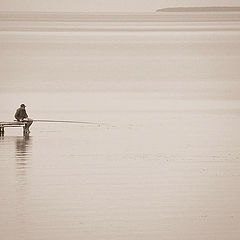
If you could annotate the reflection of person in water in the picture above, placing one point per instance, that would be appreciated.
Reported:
(22, 153)
(22, 144)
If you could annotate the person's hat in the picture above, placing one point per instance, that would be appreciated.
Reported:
(22, 105)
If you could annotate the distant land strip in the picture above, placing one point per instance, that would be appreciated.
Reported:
(200, 9)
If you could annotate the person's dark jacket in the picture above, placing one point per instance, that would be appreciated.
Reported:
(21, 114)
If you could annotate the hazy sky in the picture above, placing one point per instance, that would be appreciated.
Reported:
(105, 5)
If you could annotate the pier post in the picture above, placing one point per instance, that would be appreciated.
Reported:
(1, 131)
(25, 132)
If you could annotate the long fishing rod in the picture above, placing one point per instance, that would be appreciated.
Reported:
(63, 121)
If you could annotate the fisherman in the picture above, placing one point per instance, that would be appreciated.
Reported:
(21, 116)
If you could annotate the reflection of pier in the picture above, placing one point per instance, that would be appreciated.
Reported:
(22, 157)
(15, 190)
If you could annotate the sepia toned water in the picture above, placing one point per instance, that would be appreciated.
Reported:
(162, 157)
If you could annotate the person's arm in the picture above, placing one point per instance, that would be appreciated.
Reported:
(25, 114)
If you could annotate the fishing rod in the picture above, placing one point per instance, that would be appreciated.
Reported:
(63, 121)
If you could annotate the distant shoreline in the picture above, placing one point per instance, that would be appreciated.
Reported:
(200, 9)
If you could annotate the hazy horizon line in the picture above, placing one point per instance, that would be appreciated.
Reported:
(166, 15)
(154, 11)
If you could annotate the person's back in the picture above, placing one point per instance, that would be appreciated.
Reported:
(21, 113)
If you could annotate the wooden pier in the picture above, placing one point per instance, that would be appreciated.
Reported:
(3, 125)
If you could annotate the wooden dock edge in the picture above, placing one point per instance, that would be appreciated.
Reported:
(3, 125)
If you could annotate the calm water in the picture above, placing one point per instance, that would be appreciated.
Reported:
(164, 160)
(143, 175)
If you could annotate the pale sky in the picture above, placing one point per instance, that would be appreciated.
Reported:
(106, 5)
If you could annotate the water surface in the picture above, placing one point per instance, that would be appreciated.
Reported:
(162, 162)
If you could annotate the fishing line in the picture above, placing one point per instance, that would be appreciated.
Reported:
(64, 121)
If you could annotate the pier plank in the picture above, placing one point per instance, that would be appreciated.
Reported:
(4, 124)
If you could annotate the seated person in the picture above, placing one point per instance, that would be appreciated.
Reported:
(21, 116)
